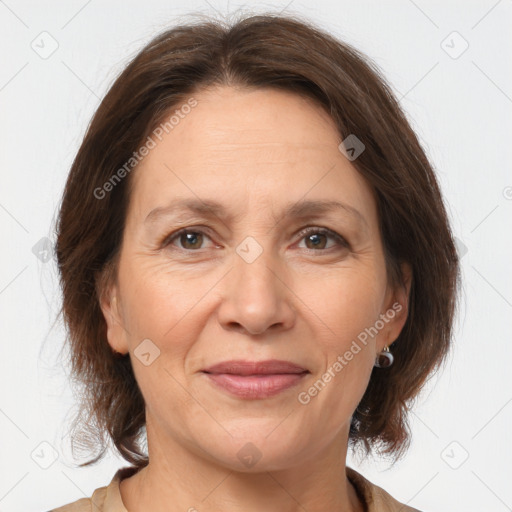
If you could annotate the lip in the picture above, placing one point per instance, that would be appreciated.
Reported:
(255, 379)
(268, 367)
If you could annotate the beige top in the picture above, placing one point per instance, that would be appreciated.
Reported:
(108, 498)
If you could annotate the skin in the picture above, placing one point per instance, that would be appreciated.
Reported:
(304, 299)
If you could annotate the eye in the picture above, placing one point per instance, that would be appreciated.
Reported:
(188, 239)
(317, 238)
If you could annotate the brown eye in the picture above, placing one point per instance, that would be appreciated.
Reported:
(188, 240)
(318, 239)
(191, 240)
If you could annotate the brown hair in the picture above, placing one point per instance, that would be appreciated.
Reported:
(263, 51)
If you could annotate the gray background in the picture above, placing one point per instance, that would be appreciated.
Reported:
(58, 60)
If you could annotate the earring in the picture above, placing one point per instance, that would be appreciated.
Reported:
(384, 359)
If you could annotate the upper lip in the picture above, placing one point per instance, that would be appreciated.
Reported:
(268, 367)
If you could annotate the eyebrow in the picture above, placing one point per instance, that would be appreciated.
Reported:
(210, 208)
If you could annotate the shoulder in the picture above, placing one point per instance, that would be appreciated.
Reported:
(375, 498)
(86, 504)
(103, 499)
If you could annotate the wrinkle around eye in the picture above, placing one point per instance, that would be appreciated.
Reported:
(342, 233)
(336, 243)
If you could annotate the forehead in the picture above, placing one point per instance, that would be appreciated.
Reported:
(248, 146)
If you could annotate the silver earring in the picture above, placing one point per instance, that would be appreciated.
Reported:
(384, 359)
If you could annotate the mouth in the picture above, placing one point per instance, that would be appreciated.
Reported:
(255, 379)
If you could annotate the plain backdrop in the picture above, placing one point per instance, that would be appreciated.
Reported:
(447, 61)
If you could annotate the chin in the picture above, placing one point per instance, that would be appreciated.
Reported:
(255, 448)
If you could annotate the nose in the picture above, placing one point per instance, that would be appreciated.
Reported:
(256, 297)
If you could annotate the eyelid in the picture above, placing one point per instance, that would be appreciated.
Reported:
(168, 239)
(323, 231)
(204, 230)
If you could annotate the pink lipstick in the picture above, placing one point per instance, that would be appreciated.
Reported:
(255, 379)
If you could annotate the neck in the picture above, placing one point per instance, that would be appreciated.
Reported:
(190, 481)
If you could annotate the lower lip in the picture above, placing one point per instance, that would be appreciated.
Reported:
(255, 386)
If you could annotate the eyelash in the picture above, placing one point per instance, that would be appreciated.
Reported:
(342, 243)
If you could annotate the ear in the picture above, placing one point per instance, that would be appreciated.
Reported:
(109, 300)
(397, 307)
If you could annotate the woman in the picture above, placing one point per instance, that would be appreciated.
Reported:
(257, 269)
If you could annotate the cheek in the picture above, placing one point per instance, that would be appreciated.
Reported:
(346, 301)
(158, 300)
(344, 307)
(167, 308)
(349, 308)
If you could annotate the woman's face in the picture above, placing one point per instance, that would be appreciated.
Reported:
(274, 270)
